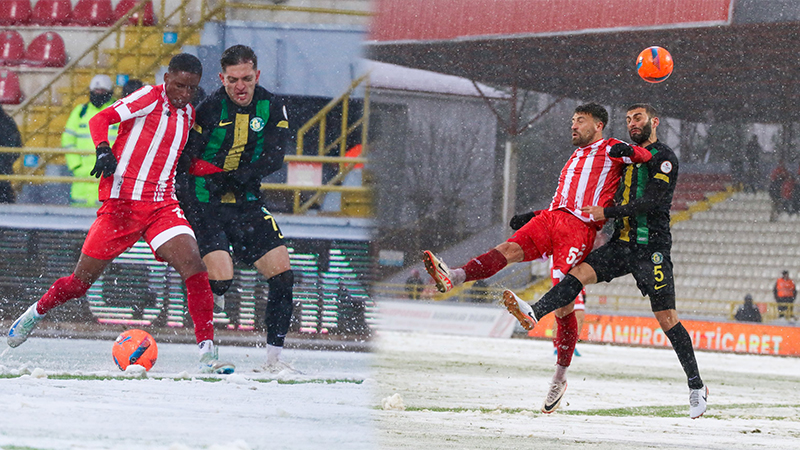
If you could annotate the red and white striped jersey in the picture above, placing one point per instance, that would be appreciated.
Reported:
(591, 177)
(152, 134)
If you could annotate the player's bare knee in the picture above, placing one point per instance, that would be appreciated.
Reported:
(584, 273)
(511, 251)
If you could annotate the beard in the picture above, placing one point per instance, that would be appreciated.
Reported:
(647, 130)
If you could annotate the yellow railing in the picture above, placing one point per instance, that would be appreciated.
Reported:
(320, 121)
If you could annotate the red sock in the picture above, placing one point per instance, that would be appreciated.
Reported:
(485, 265)
(200, 301)
(62, 291)
(566, 338)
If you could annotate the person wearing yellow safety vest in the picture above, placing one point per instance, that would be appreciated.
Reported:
(76, 135)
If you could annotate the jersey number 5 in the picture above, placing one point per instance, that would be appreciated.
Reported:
(574, 255)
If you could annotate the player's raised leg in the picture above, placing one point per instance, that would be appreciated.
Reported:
(181, 252)
(479, 268)
(87, 270)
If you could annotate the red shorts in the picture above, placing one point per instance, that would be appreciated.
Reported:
(559, 234)
(121, 223)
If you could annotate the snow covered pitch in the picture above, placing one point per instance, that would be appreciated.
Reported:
(76, 398)
(484, 393)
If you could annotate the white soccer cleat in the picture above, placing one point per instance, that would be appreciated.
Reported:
(698, 401)
(22, 327)
(554, 396)
(281, 367)
(519, 309)
(219, 303)
(438, 270)
(209, 361)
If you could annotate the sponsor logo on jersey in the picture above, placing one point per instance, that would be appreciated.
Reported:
(257, 124)
(666, 167)
(657, 258)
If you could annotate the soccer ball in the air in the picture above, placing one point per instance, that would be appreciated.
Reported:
(135, 347)
(654, 64)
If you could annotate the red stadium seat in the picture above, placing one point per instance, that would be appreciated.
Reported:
(10, 93)
(12, 48)
(148, 18)
(51, 12)
(47, 50)
(92, 13)
(15, 12)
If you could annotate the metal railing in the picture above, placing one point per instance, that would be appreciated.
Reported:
(319, 122)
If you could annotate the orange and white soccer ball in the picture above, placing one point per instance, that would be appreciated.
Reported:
(654, 64)
(135, 347)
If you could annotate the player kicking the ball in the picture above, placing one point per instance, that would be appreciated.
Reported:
(563, 231)
(640, 246)
(137, 190)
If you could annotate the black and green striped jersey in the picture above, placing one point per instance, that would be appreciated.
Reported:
(243, 143)
(644, 198)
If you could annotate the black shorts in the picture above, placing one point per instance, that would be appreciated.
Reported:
(247, 228)
(651, 268)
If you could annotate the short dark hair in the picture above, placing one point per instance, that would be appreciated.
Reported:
(595, 110)
(648, 108)
(238, 54)
(184, 62)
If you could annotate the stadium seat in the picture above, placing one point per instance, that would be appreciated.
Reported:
(51, 12)
(92, 13)
(148, 18)
(12, 48)
(10, 92)
(46, 50)
(15, 12)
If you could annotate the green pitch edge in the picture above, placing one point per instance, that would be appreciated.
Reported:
(208, 379)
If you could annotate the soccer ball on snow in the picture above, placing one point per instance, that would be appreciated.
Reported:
(654, 64)
(135, 347)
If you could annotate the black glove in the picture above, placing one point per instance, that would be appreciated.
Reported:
(217, 183)
(520, 220)
(620, 150)
(106, 164)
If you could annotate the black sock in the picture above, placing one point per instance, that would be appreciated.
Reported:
(279, 307)
(559, 296)
(682, 343)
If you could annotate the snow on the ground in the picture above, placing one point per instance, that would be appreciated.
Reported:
(173, 409)
(483, 393)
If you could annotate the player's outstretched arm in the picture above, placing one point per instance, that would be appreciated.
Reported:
(629, 153)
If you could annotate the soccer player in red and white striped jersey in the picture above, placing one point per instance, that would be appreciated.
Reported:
(152, 134)
(137, 190)
(590, 177)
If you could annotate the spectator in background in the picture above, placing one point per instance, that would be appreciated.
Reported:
(752, 159)
(748, 312)
(414, 285)
(781, 185)
(785, 293)
(76, 136)
(131, 86)
(9, 137)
